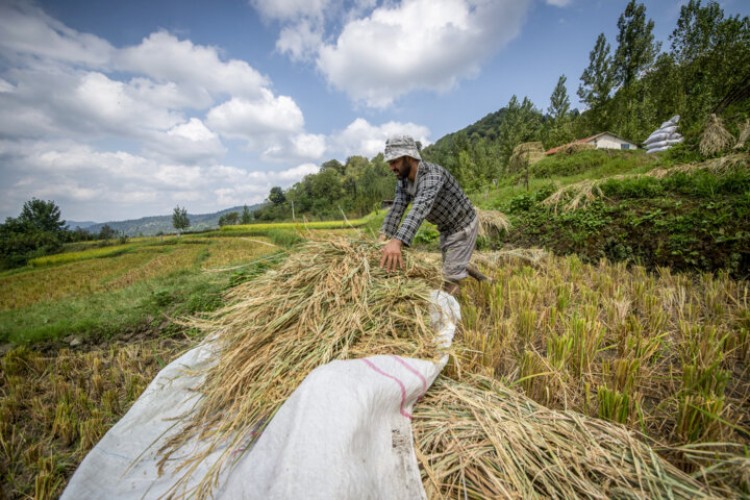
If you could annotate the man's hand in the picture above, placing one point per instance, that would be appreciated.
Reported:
(392, 259)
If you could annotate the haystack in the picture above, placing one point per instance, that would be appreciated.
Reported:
(743, 136)
(474, 437)
(715, 138)
(492, 223)
(531, 151)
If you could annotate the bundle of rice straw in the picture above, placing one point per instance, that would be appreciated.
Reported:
(715, 138)
(743, 136)
(577, 195)
(492, 223)
(329, 300)
(477, 439)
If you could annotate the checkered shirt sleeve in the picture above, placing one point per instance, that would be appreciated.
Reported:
(439, 199)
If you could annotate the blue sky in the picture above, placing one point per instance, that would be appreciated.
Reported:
(119, 110)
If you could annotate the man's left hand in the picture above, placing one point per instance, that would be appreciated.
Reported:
(392, 258)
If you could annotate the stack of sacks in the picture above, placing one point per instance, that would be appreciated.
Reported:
(664, 137)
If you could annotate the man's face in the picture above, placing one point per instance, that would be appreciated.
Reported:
(400, 167)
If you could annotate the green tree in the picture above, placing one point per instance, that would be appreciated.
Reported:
(106, 232)
(597, 79)
(334, 165)
(276, 196)
(246, 217)
(697, 30)
(180, 219)
(560, 131)
(522, 122)
(229, 219)
(42, 216)
(636, 50)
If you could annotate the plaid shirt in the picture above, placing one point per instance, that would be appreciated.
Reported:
(438, 198)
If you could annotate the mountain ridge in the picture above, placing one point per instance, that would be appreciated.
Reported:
(155, 224)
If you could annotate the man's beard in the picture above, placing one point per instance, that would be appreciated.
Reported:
(403, 169)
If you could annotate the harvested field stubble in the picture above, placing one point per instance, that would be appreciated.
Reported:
(55, 406)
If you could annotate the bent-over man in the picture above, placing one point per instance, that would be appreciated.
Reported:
(435, 196)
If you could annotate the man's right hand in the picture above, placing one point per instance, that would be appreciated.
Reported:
(392, 258)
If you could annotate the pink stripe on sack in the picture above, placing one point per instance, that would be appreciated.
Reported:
(415, 372)
(400, 384)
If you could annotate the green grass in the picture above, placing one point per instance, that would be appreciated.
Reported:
(141, 289)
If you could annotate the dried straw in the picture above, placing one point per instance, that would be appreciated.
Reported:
(576, 195)
(478, 439)
(330, 300)
(743, 136)
(715, 138)
(492, 223)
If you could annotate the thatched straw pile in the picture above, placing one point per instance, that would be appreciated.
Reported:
(743, 136)
(576, 195)
(715, 138)
(330, 300)
(532, 152)
(475, 439)
(492, 223)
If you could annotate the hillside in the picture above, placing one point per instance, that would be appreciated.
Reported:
(626, 206)
(162, 224)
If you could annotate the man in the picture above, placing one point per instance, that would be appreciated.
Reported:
(435, 196)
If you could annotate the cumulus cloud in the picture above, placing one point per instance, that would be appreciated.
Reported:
(364, 139)
(300, 41)
(163, 57)
(27, 33)
(106, 131)
(172, 101)
(78, 177)
(385, 52)
(417, 45)
(243, 118)
(285, 10)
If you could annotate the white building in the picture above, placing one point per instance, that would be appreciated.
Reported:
(603, 140)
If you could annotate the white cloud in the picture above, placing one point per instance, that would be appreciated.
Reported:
(309, 145)
(364, 139)
(559, 3)
(79, 177)
(300, 41)
(297, 173)
(26, 32)
(252, 119)
(286, 10)
(165, 58)
(417, 45)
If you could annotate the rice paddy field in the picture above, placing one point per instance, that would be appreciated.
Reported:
(565, 380)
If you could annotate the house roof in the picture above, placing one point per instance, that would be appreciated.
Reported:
(585, 140)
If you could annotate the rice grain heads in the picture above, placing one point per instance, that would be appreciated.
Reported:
(329, 300)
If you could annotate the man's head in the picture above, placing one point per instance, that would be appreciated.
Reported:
(399, 152)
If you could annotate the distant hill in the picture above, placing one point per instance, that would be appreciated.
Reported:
(72, 224)
(150, 226)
